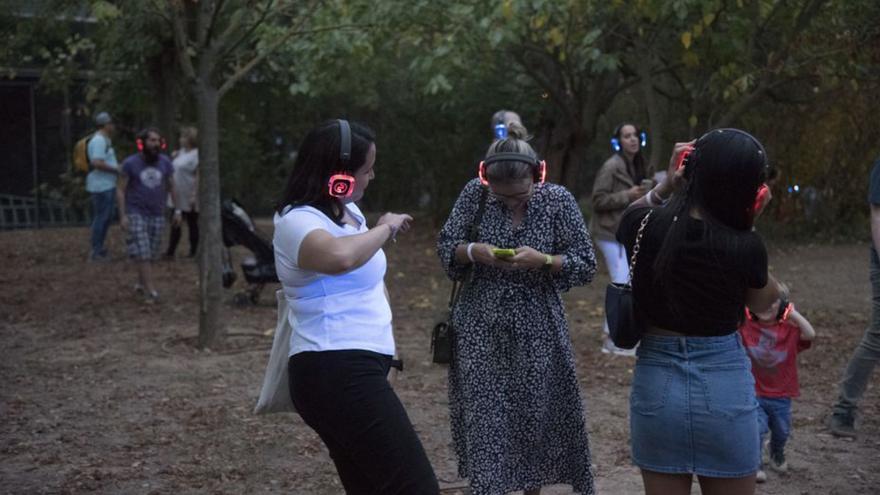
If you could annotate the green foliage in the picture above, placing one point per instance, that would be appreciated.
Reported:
(427, 75)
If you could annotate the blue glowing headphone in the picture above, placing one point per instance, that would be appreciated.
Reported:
(500, 128)
(615, 142)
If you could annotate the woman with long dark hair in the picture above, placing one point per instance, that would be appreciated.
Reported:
(332, 268)
(618, 183)
(693, 409)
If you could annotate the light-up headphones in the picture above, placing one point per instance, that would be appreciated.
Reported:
(341, 185)
(500, 128)
(144, 134)
(539, 167)
(690, 157)
(785, 309)
(615, 141)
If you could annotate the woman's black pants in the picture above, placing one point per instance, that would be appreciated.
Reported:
(192, 222)
(346, 398)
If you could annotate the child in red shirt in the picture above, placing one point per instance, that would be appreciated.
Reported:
(772, 340)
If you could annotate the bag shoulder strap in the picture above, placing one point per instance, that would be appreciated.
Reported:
(472, 236)
(636, 246)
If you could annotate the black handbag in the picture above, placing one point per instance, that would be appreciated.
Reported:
(624, 323)
(443, 334)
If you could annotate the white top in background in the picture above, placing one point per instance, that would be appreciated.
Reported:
(331, 312)
(186, 164)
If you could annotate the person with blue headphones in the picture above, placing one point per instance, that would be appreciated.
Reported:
(332, 269)
(622, 179)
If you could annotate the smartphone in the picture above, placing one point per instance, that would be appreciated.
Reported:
(647, 183)
(503, 253)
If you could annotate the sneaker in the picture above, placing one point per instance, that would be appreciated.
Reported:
(152, 297)
(777, 462)
(842, 425)
(760, 476)
(139, 289)
(608, 347)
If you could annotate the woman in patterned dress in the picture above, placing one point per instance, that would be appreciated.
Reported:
(516, 411)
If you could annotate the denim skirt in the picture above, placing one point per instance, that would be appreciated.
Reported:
(693, 407)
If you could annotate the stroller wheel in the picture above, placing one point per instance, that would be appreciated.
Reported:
(254, 297)
(242, 299)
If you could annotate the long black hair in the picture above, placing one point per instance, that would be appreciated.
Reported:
(317, 160)
(723, 174)
(637, 169)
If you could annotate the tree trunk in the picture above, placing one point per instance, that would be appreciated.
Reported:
(165, 79)
(656, 136)
(210, 228)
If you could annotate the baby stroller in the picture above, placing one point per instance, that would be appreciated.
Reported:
(258, 269)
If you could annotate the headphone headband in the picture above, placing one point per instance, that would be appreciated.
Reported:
(758, 144)
(344, 140)
(512, 157)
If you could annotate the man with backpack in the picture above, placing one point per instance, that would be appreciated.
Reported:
(101, 183)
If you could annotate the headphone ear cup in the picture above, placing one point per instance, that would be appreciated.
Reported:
(615, 144)
(541, 172)
(643, 139)
(341, 185)
(140, 144)
(481, 173)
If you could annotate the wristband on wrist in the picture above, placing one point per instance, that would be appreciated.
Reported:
(470, 254)
(548, 262)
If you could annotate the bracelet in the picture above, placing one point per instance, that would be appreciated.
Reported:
(655, 199)
(548, 263)
(470, 255)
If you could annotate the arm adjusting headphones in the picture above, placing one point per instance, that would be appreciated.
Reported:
(539, 167)
(690, 156)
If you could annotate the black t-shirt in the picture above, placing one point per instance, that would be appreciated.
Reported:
(711, 272)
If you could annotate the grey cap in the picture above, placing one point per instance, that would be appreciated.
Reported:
(103, 119)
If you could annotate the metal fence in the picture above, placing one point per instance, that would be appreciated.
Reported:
(24, 212)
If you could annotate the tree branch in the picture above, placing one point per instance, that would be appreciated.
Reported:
(242, 71)
(181, 40)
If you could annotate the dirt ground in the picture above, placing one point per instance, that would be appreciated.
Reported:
(101, 393)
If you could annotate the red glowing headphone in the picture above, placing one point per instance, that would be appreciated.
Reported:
(690, 157)
(341, 185)
(144, 134)
(785, 309)
(539, 167)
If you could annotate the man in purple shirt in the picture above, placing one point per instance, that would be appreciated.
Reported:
(145, 182)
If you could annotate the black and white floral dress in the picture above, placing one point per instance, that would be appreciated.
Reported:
(516, 413)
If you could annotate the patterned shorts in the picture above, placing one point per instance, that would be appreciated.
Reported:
(144, 239)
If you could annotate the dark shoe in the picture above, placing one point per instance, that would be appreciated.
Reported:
(99, 258)
(760, 476)
(151, 297)
(777, 462)
(842, 425)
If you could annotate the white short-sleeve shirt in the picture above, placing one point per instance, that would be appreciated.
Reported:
(331, 312)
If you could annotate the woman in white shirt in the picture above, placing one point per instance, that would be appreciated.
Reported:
(332, 269)
(186, 166)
